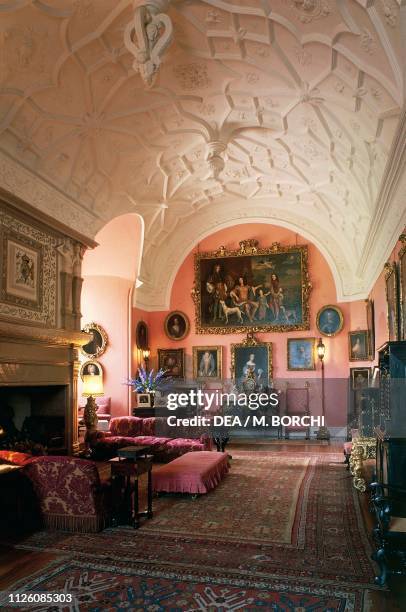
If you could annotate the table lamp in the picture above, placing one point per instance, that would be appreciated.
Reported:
(92, 387)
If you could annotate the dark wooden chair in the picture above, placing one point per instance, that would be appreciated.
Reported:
(297, 404)
(388, 504)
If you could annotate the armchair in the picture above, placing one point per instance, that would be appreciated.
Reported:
(388, 504)
(69, 493)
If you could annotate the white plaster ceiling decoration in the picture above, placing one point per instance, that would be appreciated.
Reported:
(284, 111)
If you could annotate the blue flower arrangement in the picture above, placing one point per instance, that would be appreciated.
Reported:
(146, 382)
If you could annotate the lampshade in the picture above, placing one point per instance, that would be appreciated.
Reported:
(321, 349)
(92, 385)
(146, 353)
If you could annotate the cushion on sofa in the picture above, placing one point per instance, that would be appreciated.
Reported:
(126, 426)
(103, 405)
(14, 457)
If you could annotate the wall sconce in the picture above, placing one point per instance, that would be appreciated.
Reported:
(145, 355)
(321, 350)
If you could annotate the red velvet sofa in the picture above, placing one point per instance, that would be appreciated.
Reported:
(135, 431)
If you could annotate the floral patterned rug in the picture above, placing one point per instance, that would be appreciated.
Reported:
(289, 523)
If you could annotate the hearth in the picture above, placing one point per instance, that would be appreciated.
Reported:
(34, 418)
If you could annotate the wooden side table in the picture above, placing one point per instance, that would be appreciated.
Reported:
(125, 474)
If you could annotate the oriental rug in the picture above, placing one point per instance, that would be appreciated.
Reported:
(100, 588)
(287, 520)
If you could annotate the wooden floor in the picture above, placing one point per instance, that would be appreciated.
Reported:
(16, 564)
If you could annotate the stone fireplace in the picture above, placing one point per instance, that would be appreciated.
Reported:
(40, 293)
(38, 384)
(34, 418)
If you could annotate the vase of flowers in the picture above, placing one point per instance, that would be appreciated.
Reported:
(148, 382)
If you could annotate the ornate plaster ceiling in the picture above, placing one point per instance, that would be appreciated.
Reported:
(284, 111)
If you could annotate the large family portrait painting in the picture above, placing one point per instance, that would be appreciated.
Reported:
(266, 290)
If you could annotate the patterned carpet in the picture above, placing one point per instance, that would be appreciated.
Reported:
(283, 531)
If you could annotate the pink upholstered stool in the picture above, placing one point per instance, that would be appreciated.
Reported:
(195, 472)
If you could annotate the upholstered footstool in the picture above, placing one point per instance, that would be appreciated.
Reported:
(195, 472)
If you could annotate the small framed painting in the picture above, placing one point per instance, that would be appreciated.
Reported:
(301, 354)
(172, 361)
(329, 320)
(141, 335)
(144, 400)
(91, 368)
(251, 364)
(176, 325)
(22, 272)
(360, 378)
(207, 361)
(392, 297)
(358, 345)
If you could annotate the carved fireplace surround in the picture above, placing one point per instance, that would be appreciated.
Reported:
(34, 357)
(40, 317)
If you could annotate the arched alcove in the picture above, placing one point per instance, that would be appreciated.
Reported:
(110, 273)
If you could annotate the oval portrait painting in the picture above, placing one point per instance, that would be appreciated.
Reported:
(141, 335)
(176, 325)
(91, 368)
(98, 343)
(329, 320)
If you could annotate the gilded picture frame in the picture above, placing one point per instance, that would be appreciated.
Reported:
(392, 300)
(91, 367)
(176, 325)
(251, 364)
(207, 363)
(275, 279)
(172, 361)
(141, 336)
(301, 354)
(370, 307)
(402, 287)
(97, 346)
(358, 345)
(330, 320)
(360, 378)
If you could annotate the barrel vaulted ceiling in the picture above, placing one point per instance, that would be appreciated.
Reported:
(281, 111)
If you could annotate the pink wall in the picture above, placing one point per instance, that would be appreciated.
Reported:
(105, 301)
(324, 292)
(109, 272)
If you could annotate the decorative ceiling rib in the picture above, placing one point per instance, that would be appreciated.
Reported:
(283, 110)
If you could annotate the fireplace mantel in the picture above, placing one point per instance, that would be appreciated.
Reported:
(40, 320)
(29, 333)
(35, 356)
